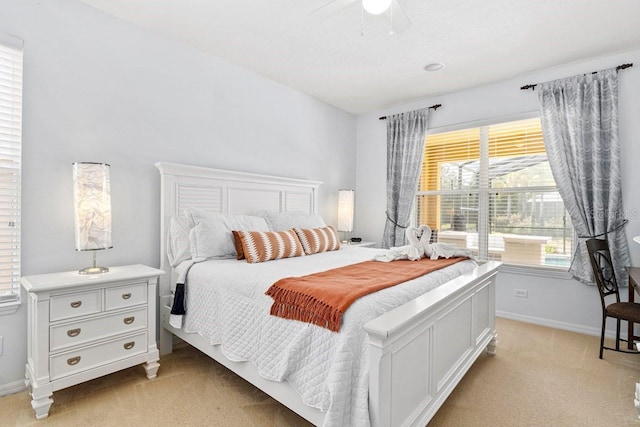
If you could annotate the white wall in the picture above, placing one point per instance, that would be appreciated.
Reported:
(552, 301)
(99, 89)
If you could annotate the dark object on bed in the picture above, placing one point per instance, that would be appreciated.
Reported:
(356, 239)
(605, 277)
(178, 300)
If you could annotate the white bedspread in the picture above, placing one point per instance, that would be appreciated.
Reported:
(226, 305)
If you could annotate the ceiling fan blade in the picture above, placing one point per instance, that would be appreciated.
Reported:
(330, 8)
(399, 19)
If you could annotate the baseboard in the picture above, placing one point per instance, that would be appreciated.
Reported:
(581, 329)
(11, 388)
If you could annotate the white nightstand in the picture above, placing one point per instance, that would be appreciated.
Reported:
(81, 327)
(360, 244)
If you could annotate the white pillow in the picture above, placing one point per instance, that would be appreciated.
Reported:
(178, 245)
(211, 235)
(279, 221)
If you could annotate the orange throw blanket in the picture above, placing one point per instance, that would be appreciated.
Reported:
(322, 298)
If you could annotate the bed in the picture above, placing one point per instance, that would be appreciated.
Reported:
(410, 358)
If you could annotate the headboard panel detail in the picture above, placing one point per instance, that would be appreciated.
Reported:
(298, 202)
(208, 199)
(250, 201)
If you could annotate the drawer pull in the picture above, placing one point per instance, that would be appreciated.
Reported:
(76, 304)
(73, 332)
(126, 296)
(73, 361)
(129, 320)
(129, 345)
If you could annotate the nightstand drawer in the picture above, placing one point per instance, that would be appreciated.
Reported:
(86, 330)
(73, 305)
(71, 362)
(126, 296)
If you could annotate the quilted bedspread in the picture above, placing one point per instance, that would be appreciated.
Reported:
(226, 305)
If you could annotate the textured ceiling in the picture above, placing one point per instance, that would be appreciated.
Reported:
(327, 57)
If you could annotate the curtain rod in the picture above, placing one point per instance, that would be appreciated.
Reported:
(435, 107)
(618, 68)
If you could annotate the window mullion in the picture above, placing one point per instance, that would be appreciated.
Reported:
(483, 199)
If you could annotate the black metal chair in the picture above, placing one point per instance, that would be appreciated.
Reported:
(605, 277)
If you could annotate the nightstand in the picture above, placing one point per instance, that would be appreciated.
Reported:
(81, 327)
(360, 244)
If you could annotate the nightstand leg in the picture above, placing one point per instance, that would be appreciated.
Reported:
(152, 369)
(41, 407)
(40, 396)
(152, 365)
(491, 347)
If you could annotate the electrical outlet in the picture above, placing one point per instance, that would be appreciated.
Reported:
(521, 293)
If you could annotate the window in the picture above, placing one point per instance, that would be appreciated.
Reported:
(10, 166)
(490, 189)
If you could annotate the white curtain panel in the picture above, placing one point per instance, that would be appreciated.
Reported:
(406, 133)
(580, 126)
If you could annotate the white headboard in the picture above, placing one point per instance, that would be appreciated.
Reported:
(228, 192)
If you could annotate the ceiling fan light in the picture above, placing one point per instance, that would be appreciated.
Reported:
(376, 7)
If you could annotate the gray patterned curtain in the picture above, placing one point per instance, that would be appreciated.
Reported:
(580, 126)
(406, 133)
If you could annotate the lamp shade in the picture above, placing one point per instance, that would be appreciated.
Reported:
(92, 202)
(345, 210)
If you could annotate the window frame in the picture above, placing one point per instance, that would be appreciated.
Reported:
(10, 298)
(484, 192)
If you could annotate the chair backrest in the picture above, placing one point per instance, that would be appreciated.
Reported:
(600, 258)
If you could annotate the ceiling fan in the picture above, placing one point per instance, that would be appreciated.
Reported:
(397, 17)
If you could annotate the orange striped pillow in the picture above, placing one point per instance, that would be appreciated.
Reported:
(316, 240)
(260, 246)
(237, 242)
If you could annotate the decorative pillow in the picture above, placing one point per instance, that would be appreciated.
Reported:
(178, 246)
(260, 246)
(278, 221)
(237, 241)
(315, 240)
(211, 235)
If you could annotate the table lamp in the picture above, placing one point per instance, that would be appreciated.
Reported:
(345, 211)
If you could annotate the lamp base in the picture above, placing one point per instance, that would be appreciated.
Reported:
(94, 270)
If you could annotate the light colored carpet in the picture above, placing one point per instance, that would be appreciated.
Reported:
(540, 377)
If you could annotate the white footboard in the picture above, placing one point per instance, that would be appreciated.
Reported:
(418, 352)
(421, 350)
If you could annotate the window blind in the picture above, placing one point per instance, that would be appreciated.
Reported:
(10, 166)
(490, 189)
